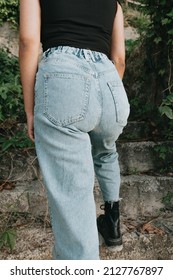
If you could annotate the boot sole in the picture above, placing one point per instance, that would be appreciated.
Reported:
(114, 249)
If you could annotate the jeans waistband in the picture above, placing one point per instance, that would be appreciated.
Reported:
(86, 54)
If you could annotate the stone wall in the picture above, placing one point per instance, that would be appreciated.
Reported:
(9, 39)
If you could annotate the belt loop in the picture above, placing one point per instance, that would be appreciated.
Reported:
(92, 55)
(47, 52)
(77, 52)
(86, 55)
(66, 48)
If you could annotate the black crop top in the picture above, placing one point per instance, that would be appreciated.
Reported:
(77, 23)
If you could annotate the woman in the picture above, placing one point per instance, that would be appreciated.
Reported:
(75, 100)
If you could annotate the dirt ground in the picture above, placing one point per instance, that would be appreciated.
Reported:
(150, 239)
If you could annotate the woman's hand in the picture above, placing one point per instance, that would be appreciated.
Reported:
(30, 127)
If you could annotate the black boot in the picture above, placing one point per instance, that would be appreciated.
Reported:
(109, 226)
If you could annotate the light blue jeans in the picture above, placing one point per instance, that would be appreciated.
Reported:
(81, 108)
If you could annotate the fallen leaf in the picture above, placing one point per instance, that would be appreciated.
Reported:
(6, 185)
(151, 229)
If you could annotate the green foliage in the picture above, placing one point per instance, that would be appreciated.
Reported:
(167, 106)
(149, 72)
(11, 100)
(19, 140)
(167, 198)
(162, 151)
(137, 19)
(131, 45)
(141, 109)
(9, 12)
(168, 201)
(141, 23)
(11, 104)
(7, 232)
(159, 48)
(7, 239)
(163, 157)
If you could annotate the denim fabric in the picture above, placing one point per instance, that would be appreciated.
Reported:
(81, 108)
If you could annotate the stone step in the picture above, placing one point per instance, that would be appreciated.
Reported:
(141, 196)
(146, 156)
(134, 158)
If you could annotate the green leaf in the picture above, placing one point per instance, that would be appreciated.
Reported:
(162, 72)
(157, 40)
(170, 98)
(170, 32)
(7, 238)
(170, 14)
(6, 145)
(11, 236)
(3, 93)
(167, 111)
(166, 21)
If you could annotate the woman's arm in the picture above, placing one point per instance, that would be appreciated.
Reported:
(29, 45)
(117, 53)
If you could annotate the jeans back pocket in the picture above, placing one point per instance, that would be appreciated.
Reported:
(122, 108)
(66, 97)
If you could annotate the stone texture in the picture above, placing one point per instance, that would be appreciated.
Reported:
(25, 197)
(140, 157)
(9, 39)
(141, 195)
(19, 166)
